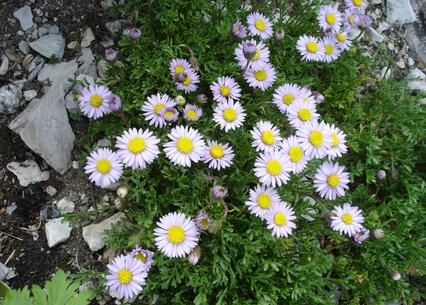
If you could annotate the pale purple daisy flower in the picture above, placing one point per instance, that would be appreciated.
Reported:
(238, 30)
(342, 40)
(262, 199)
(190, 83)
(331, 180)
(261, 76)
(363, 21)
(203, 221)
(281, 220)
(134, 33)
(137, 148)
(179, 65)
(94, 101)
(169, 114)
(218, 155)
(285, 95)
(361, 235)
(298, 159)
(332, 49)
(272, 168)
(192, 113)
(356, 5)
(252, 52)
(310, 48)
(115, 103)
(110, 54)
(78, 89)
(126, 276)
(259, 25)
(347, 219)
(145, 256)
(314, 139)
(229, 115)
(225, 89)
(329, 18)
(266, 136)
(338, 142)
(306, 95)
(104, 167)
(300, 113)
(349, 20)
(152, 108)
(219, 192)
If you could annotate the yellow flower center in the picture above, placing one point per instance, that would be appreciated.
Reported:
(136, 145)
(333, 180)
(225, 90)
(347, 218)
(204, 222)
(176, 235)
(260, 25)
(217, 152)
(96, 100)
(316, 138)
(328, 49)
(124, 276)
(268, 137)
(357, 2)
(334, 139)
(273, 167)
(179, 69)
(288, 98)
(103, 166)
(340, 37)
(351, 19)
(192, 114)
(230, 115)
(312, 46)
(168, 114)
(280, 219)
(295, 153)
(256, 55)
(304, 114)
(330, 18)
(187, 81)
(140, 256)
(158, 107)
(260, 75)
(264, 201)
(184, 145)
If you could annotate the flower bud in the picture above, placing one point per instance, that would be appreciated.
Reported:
(219, 192)
(249, 50)
(122, 192)
(115, 103)
(181, 77)
(381, 174)
(378, 233)
(180, 100)
(318, 97)
(118, 203)
(396, 276)
(279, 34)
(194, 255)
(201, 98)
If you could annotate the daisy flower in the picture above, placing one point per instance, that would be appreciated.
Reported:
(169, 114)
(132, 32)
(292, 147)
(115, 103)
(179, 65)
(342, 40)
(238, 30)
(259, 25)
(347, 220)
(272, 168)
(218, 155)
(361, 235)
(203, 221)
(125, 277)
(348, 20)
(332, 49)
(94, 101)
(261, 76)
(314, 139)
(190, 83)
(104, 167)
(306, 95)
(110, 54)
(261, 200)
(285, 95)
(331, 180)
(145, 256)
(300, 113)
(152, 108)
(266, 136)
(310, 48)
(363, 21)
(356, 5)
(225, 89)
(186, 145)
(176, 235)
(219, 192)
(229, 115)
(329, 18)
(259, 55)
(192, 113)
(338, 142)
(280, 220)
(137, 148)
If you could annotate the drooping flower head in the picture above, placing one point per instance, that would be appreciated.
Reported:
(229, 115)
(314, 139)
(190, 82)
(238, 30)
(104, 167)
(338, 142)
(310, 48)
(329, 18)
(361, 235)
(280, 220)
(145, 256)
(272, 168)
(201, 98)
(363, 21)
(110, 54)
(248, 49)
(292, 147)
(285, 95)
(152, 108)
(266, 136)
(261, 76)
(332, 49)
(262, 199)
(94, 101)
(259, 25)
(169, 114)
(218, 155)
(331, 180)
(115, 103)
(192, 113)
(219, 192)
(347, 219)
(253, 52)
(301, 113)
(203, 221)
(225, 89)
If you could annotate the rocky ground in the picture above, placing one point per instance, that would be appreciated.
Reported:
(40, 174)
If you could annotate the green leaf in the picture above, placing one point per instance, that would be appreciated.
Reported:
(18, 297)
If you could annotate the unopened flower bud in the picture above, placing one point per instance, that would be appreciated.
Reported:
(181, 77)
(118, 203)
(414, 269)
(381, 174)
(194, 256)
(279, 34)
(122, 191)
(219, 192)
(319, 98)
(396, 276)
(115, 103)
(359, 278)
(180, 100)
(201, 98)
(378, 233)
(249, 50)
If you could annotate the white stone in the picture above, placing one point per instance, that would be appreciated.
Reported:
(88, 37)
(410, 61)
(416, 40)
(29, 95)
(75, 165)
(73, 45)
(65, 205)
(71, 103)
(385, 73)
(11, 208)
(4, 67)
(42, 31)
(51, 190)
(383, 26)
(57, 232)
(54, 29)
(419, 83)
(87, 63)
(10, 99)
(399, 12)
(102, 69)
(374, 35)
(401, 64)
(27, 172)
(3, 271)
(107, 4)
(50, 45)
(95, 234)
(25, 17)
(115, 26)
(103, 143)
(24, 47)
(58, 73)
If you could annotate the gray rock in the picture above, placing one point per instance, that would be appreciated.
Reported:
(107, 43)
(50, 45)
(3, 271)
(88, 37)
(42, 31)
(87, 63)
(73, 45)
(58, 73)
(51, 190)
(103, 143)
(399, 12)
(415, 35)
(4, 67)
(374, 35)
(65, 205)
(34, 72)
(54, 29)
(410, 61)
(11, 54)
(11, 208)
(87, 79)
(20, 33)
(71, 103)
(95, 234)
(57, 232)
(24, 47)
(115, 26)
(102, 69)
(10, 99)
(27, 172)
(29, 95)
(417, 80)
(25, 17)
(107, 4)
(383, 26)
(385, 73)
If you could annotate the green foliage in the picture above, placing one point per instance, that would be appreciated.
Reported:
(58, 291)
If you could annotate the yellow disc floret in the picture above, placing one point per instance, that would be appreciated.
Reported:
(260, 75)
(280, 219)
(329, 49)
(273, 167)
(230, 115)
(330, 18)
(103, 166)
(260, 25)
(267, 137)
(304, 114)
(140, 256)
(312, 46)
(316, 138)
(176, 235)
(288, 98)
(184, 145)
(187, 81)
(295, 153)
(340, 37)
(334, 139)
(158, 107)
(124, 276)
(333, 180)
(217, 152)
(179, 69)
(357, 2)
(136, 145)
(192, 114)
(347, 218)
(256, 55)
(96, 100)
(264, 201)
(225, 90)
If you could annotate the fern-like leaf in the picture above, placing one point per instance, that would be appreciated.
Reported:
(18, 297)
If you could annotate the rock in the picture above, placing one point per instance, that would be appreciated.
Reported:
(29, 95)
(417, 80)
(385, 73)
(410, 61)
(112, 186)
(115, 26)
(58, 73)
(86, 286)
(383, 26)
(24, 47)
(73, 45)
(65, 205)
(107, 43)
(374, 35)
(57, 232)
(107, 4)
(51, 190)
(54, 29)
(4, 67)
(34, 72)
(400, 63)
(3, 271)
(399, 12)
(11, 54)
(102, 69)
(25, 17)
(86, 62)
(376, 2)
(88, 37)
(42, 31)
(416, 38)
(49, 212)
(87, 79)
(95, 234)
(50, 45)
(71, 103)
(11, 208)
(27, 172)
(10, 99)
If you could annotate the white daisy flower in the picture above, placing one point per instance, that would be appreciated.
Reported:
(179, 65)
(218, 155)
(338, 142)
(266, 136)
(176, 235)
(272, 168)
(137, 148)
(347, 220)
(292, 147)
(95, 101)
(329, 18)
(262, 199)
(332, 49)
(104, 167)
(262, 76)
(342, 40)
(229, 115)
(192, 113)
(314, 139)
(356, 5)
(331, 180)
(190, 82)
(349, 20)
(261, 54)
(225, 89)
(306, 95)
(259, 25)
(152, 108)
(285, 95)
(310, 48)
(186, 145)
(280, 220)
(300, 113)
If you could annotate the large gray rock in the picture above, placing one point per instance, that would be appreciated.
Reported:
(417, 80)
(95, 234)
(415, 35)
(58, 73)
(50, 45)
(65, 205)
(400, 12)
(57, 232)
(10, 99)
(87, 63)
(88, 37)
(115, 26)
(27, 172)
(25, 17)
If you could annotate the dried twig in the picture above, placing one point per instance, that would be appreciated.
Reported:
(10, 235)
(10, 257)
